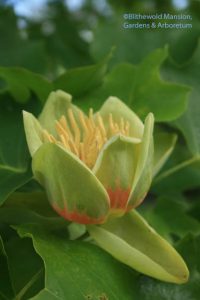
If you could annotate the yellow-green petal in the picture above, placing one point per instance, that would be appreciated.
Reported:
(119, 110)
(132, 241)
(57, 105)
(144, 171)
(115, 169)
(72, 189)
(33, 132)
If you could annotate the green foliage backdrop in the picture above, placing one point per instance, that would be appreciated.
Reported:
(86, 52)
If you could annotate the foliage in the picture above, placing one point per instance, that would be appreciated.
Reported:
(40, 256)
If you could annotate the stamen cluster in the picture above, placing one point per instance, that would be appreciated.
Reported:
(86, 135)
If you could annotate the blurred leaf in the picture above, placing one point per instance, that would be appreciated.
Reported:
(34, 208)
(80, 81)
(61, 31)
(44, 42)
(164, 144)
(74, 269)
(14, 157)
(25, 267)
(170, 216)
(35, 201)
(15, 47)
(21, 82)
(166, 100)
(195, 208)
(5, 284)
(132, 45)
(189, 123)
(180, 173)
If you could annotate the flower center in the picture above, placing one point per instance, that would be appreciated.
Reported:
(85, 135)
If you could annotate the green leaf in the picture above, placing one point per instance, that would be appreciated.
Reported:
(21, 82)
(181, 172)
(25, 267)
(73, 270)
(171, 216)
(132, 45)
(34, 201)
(72, 188)
(6, 291)
(189, 123)
(79, 81)
(14, 157)
(165, 99)
(132, 241)
(164, 144)
(195, 209)
(16, 49)
(34, 208)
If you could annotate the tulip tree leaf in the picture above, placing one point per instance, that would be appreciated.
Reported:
(15, 49)
(6, 291)
(73, 270)
(184, 178)
(21, 82)
(133, 45)
(35, 201)
(79, 81)
(22, 208)
(14, 157)
(142, 88)
(132, 241)
(170, 208)
(195, 209)
(28, 277)
(189, 123)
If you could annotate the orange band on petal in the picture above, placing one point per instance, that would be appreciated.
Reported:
(77, 217)
(118, 197)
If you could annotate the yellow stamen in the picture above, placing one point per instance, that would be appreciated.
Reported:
(73, 147)
(101, 127)
(75, 128)
(82, 151)
(86, 135)
(64, 142)
(64, 125)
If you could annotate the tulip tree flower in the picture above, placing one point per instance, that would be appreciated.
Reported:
(96, 169)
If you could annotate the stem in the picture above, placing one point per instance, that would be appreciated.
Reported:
(176, 168)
